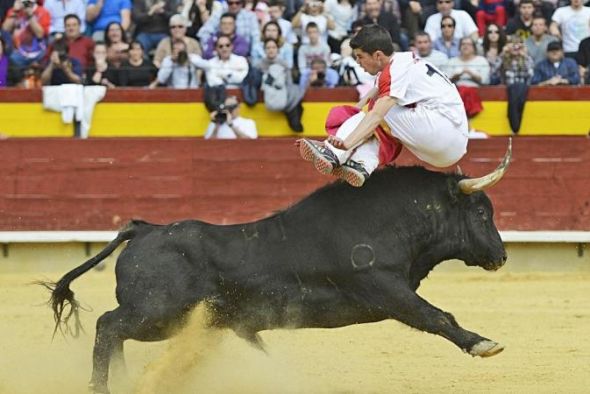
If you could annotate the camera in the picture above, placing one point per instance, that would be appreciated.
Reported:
(63, 56)
(28, 3)
(321, 75)
(222, 111)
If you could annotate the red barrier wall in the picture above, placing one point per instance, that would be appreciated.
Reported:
(98, 184)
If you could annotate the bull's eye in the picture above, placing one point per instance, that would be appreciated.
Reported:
(481, 212)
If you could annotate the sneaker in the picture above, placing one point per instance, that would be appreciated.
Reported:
(324, 160)
(352, 172)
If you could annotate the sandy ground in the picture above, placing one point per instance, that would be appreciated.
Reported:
(543, 319)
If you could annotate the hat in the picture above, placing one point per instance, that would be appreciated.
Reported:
(554, 46)
(178, 19)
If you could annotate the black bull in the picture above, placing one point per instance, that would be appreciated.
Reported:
(340, 256)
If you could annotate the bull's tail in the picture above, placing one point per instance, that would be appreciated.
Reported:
(62, 299)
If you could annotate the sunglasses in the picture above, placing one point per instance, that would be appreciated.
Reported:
(444, 1)
(223, 46)
(177, 27)
(493, 31)
(234, 2)
(443, 26)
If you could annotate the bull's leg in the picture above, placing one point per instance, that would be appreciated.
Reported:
(406, 306)
(107, 339)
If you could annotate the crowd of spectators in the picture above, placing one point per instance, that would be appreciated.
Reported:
(192, 43)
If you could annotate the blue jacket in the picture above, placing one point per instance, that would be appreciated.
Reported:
(568, 69)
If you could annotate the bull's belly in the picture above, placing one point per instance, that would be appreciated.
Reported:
(296, 309)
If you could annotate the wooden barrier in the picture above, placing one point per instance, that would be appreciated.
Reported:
(98, 184)
(181, 113)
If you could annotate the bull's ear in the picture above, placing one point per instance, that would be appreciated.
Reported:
(453, 189)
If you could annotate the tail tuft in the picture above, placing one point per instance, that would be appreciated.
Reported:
(64, 306)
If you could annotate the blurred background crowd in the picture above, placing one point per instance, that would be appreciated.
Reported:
(299, 44)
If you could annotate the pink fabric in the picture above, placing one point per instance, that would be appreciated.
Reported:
(389, 147)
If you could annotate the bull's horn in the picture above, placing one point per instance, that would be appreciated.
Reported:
(459, 171)
(469, 186)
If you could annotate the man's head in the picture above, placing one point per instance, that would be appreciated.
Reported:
(223, 47)
(177, 24)
(29, 3)
(447, 27)
(555, 52)
(276, 8)
(72, 26)
(467, 47)
(313, 32)
(372, 47)
(526, 8)
(232, 104)
(100, 50)
(423, 44)
(235, 6)
(135, 51)
(575, 4)
(539, 26)
(445, 7)
(227, 24)
(179, 51)
(373, 8)
(314, 7)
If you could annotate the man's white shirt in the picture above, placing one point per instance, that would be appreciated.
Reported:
(246, 126)
(464, 25)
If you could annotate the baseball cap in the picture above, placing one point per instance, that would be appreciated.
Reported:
(554, 46)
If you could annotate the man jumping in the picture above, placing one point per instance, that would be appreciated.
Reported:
(412, 100)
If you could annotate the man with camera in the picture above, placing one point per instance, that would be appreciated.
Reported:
(179, 70)
(61, 68)
(226, 122)
(28, 23)
(319, 75)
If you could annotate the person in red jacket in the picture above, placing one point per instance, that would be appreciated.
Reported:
(28, 23)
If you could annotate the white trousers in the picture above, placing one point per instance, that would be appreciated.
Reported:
(437, 136)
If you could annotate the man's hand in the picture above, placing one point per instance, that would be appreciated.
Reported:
(212, 115)
(336, 142)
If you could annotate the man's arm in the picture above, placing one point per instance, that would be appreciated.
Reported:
(367, 126)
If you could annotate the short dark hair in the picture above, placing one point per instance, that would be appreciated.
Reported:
(450, 18)
(422, 33)
(311, 25)
(219, 37)
(373, 38)
(72, 16)
(526, 2)
(228, 15)
(267, 40)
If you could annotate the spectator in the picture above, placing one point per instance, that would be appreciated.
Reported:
(100, 13)
(314, 49)
(151, 21)
(319, 75)
(521, 24)
(313, 11)
(571, 24)
(137, 70)
(276, 9)
(227, 27)
(517, 67)
(374, 13)
(416, 13)
(178, 28)
(537, 42)
(583, 59)
(273, 30)
(226, 68)
(117, 46)
(179, 69)
(101, 72)
(28, 23)
(425, 51)
(246, 23)
(226, 122)
(31, 77)
(447, 43)
(556, 69)
(351, 73)
(493, 44)
(343, 13)
(262, 13)
(80, 47)
(469, 71)
(3, 65)
(59, 9)
(490, 11)
(198, 12)
(280, 93)
(464, 25)
(61, 68)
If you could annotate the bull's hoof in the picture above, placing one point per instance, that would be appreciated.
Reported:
(486, 348)
(98, 388)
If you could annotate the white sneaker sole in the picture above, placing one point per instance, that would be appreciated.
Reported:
(310, 152)
(350, 175)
